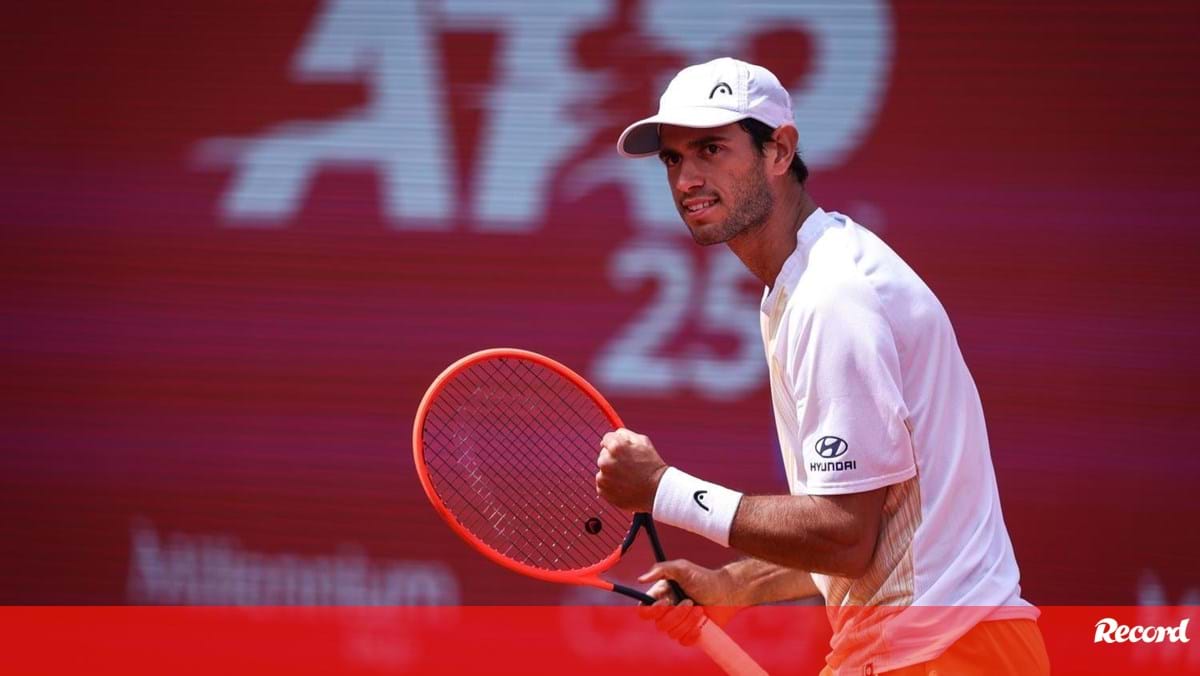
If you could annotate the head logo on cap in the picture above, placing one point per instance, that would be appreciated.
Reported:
(722, 88)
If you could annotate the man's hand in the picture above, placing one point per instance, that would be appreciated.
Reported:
(630, 469)
(682, 622)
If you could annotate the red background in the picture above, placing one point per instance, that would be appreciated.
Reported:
(166, 367)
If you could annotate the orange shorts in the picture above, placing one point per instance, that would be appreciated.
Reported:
(998, 647)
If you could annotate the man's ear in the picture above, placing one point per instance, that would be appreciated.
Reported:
(783, 148)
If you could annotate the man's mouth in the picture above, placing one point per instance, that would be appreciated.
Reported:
(697, 204)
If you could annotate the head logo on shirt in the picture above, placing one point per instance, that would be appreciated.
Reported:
(831, 447)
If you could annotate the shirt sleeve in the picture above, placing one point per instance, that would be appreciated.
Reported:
(844, 371)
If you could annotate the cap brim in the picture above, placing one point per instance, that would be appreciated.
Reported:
(641, 138)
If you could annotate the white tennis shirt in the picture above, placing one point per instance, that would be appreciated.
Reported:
(870, 390)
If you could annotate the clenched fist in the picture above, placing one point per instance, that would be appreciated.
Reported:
(630, 469)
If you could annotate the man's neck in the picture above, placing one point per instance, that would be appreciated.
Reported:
(765, 249)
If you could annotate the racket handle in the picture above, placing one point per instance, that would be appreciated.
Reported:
(678, 591)
(728, 655)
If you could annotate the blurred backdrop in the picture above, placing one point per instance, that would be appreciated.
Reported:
(239, 239)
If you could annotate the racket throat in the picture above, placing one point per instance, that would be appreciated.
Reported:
(643, 521)
(640, 521)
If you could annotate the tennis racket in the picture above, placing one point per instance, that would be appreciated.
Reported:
(505, 442)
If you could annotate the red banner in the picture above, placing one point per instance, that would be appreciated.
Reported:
(527, 640)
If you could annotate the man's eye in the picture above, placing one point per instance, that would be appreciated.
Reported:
(669, 160)
(712, 149)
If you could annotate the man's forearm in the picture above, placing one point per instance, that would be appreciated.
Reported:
(834, 535)
(756, 582)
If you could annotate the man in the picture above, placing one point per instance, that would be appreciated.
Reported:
(893, 501)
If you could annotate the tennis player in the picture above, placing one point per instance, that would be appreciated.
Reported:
(893, 514)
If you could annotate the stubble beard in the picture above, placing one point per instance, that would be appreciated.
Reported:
(750, 207)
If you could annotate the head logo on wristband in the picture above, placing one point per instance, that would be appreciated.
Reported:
(678, 495)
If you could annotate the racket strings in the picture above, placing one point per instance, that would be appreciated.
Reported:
(511, 427)
(509, 483)
(517, 543)
(584, 472)
(511, 447)
(489, 519)
(588, 442)
(488, 503)
(548, 553)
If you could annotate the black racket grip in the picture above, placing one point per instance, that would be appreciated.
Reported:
(645, 600)
(680, 596)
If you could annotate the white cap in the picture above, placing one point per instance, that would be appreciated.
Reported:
(708, 95)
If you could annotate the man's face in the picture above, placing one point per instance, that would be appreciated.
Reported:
(718, 180)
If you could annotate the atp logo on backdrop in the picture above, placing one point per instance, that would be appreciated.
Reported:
(560, 87)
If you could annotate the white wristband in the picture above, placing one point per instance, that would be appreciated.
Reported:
(692, 504)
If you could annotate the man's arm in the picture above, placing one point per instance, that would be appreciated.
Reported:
(756, 582)
(833, 534)
(722, 592)
(745, 582)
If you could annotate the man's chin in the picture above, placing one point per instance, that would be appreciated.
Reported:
(708, 237)
(710, 234)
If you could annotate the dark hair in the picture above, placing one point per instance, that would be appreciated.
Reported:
(760, 133)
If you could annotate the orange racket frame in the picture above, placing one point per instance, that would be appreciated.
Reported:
(590, 575)
(713, 640)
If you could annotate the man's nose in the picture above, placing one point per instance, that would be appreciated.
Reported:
(688, 178)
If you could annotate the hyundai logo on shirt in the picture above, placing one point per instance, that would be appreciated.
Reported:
(831, 447)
